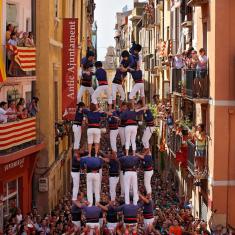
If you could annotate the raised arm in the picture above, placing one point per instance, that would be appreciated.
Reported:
(143, 198)
(139, 155)
(104, 208)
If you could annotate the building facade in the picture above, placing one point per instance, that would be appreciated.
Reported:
(167, 30)
(54, 165)
(196, 25)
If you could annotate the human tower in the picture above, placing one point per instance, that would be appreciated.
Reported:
(124, 162)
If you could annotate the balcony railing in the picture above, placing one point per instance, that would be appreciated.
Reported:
(17, 135)
(148, 20)
(197, 2)
(190, 82)
(22, 61)
(195, 87)
(174, 142)
(192, 161)
(176, 80)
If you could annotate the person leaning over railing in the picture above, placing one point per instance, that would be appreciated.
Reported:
(199, 135)
(10, 54)
(201, 73)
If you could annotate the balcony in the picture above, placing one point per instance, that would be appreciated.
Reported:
(187, 22)
(20, 63)
(192, 161)
(176, 80)
(197, 3)
(148, 21)
(194, 87)
(17, 135)
(174, 142)
(137, 13)
(190, 83)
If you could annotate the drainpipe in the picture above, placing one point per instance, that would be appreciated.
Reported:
(163, 35)
(230, 113)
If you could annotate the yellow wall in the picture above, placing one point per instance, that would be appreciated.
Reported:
(49, 70)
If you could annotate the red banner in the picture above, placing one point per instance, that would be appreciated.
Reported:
(69, 71)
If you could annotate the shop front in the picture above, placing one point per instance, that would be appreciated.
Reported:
(16, 171)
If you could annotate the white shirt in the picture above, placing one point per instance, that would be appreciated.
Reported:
(12, 42)
(3, 111)
(202, 62)
(178, 61)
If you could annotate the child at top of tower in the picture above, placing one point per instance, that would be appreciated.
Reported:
(135, 53)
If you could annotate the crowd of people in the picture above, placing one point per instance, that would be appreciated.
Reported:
(19, 38)
(14, 37)
(196, 64)
(115, 188)
(18, 110)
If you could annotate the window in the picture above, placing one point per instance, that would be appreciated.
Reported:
(56, 8)
(11, 14)
(10, 197)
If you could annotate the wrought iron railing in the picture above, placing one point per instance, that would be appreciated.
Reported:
(176, 80)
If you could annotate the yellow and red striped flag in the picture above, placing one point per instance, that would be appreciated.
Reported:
(2, 68)
(25, 57)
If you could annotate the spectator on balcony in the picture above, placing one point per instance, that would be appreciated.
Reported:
(33, 107)
(17, 32)
(201, 72)
(178, 61)
(12, 110)
(24, 114)
(10, 29)
(21, 102)
(11, 56)
(22, 41)
(192, 60)
(19, 110)
(3, 112)
(200, 152)
(30, 41)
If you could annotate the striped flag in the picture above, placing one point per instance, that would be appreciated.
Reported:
(16, 133)
(25, 57)
(2, 68)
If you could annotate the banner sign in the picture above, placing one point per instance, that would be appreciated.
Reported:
(69, 68)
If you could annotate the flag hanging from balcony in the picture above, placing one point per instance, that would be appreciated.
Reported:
(25, 57)
(2, 68)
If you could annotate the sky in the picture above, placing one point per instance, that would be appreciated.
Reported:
(105, 15)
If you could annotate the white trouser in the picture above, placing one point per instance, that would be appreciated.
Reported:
(113, 181)
(93, 185)
(77, 132)
(77, 224)
(121, 131)
(130, 135)
(137, 87)
(101, 175)
(117, 88)
(76, 181)
(92, 227)
(101, 89)
(147, 180)
(81, 91)
(122, 183)
(93, 135)
(130, 179)
(147, 135)
(101, 222)
(113, 139)
(111, 226)
(148, 222)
